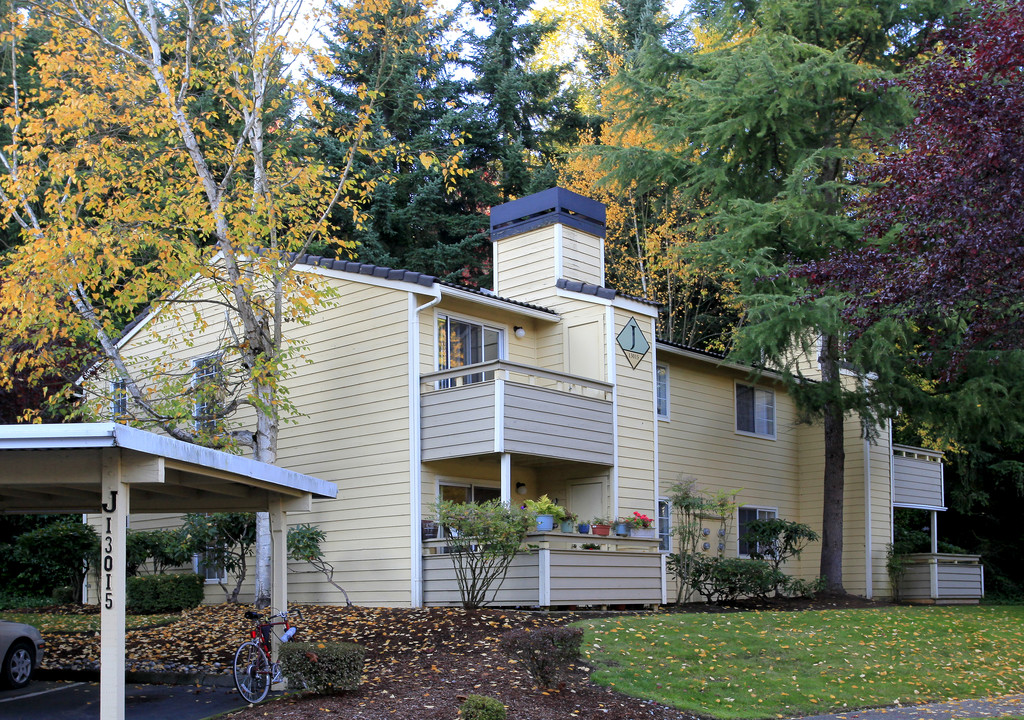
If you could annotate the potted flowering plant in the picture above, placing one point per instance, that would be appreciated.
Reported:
(641, 526)
(622, 526)
(600, 526)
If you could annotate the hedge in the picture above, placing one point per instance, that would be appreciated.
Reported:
(164, 593)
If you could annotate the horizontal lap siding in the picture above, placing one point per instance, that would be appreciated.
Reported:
(581, 256)
(556, 424)
(917, 482)
(526, 266)
(960, 581)
(440, 586)
(916, 583)
(636, 419)
(700, 442)
(353, 397)
(458, 421)
(594, 577)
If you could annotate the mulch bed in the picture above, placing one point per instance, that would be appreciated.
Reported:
(420, 663)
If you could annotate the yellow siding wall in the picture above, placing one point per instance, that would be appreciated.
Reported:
(582, 256)
(525, 266)
(352, 428)
(635, 418)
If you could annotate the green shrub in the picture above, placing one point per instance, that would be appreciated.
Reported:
(164, 593)
(324, 668)
(795, 587)
(65, 595)
(726, 579)
(547, 652)
(480, 707)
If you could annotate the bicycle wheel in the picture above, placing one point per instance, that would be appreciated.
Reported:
(252, 672)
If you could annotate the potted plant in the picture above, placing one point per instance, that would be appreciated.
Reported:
(568, 522)
(590, 546)
(547, 512)
(583, 527)
(622, 526)
(642, 526)
(600, 526)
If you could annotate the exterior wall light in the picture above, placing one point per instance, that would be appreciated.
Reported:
(519, 331)
(521, 488)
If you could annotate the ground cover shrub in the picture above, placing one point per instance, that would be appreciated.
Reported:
(480, 707)
(547, 652)
(15, 601)
(164, 593)
(324, 668)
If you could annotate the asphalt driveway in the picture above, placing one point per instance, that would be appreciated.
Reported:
(62, 700)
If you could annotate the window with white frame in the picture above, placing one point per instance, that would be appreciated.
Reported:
(665, 524)
(463, 342)
(662, 392)
(744, 516)
(467, 492)
(206, 382)
(755, 410)
(118, 400)
(211, 572)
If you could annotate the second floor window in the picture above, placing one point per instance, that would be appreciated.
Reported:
(119, 400)
(755, 410)
(461, 342)
(206, 383)
(662, 371)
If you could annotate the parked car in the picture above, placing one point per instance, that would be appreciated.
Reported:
(21, 647)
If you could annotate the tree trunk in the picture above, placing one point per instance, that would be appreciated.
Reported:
(834, 480)
(265, 450)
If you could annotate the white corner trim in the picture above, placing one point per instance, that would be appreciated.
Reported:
(613, 381)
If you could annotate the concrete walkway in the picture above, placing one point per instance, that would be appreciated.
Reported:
(953, 710)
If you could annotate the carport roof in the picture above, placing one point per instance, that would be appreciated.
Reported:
(56, 468)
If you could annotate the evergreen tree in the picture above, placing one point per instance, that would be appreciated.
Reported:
(414, 217)
(521, 115)
(763, 124)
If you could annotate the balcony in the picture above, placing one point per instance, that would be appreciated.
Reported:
(505, 407)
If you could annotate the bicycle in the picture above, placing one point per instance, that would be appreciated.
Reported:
(254, 672)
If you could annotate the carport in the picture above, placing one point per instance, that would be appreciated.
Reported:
(110, 470)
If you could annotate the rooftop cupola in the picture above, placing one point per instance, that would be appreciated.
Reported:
(541, 238)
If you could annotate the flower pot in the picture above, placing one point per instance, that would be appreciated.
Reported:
(566, 526)
(601, 529)
(621, 529)
(643, 532)
(584, 528)
(545, 523)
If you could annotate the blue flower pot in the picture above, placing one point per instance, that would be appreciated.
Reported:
(545, 523)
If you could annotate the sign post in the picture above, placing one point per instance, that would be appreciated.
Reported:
(114, 519)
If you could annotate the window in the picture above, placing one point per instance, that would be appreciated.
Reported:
(665, 525)
(206, 382)
(755, 411)
(119, 400)
(211, 573)
(662, 372)
(468, 493)
(461, 343)
(745, 515)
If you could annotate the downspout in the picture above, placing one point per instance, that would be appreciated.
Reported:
(868, 528)
(415, 450)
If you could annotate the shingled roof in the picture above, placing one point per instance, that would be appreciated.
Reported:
(605, 293)
(378, 271)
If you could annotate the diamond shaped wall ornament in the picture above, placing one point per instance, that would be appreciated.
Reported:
(633, 343)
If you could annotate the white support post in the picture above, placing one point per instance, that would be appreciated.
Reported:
(111, 591)
(935, 532)
(278, 564)
(506, 479)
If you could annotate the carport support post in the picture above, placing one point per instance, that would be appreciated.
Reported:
(114, 520)
(278, 560)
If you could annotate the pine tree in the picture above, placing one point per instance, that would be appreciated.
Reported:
(763, 126)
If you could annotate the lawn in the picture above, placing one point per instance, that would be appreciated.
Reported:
(53, 623)
(775, 664)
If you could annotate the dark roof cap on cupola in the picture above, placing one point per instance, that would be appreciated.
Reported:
(547, 207)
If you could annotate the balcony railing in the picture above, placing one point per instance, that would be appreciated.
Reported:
(505, 407)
